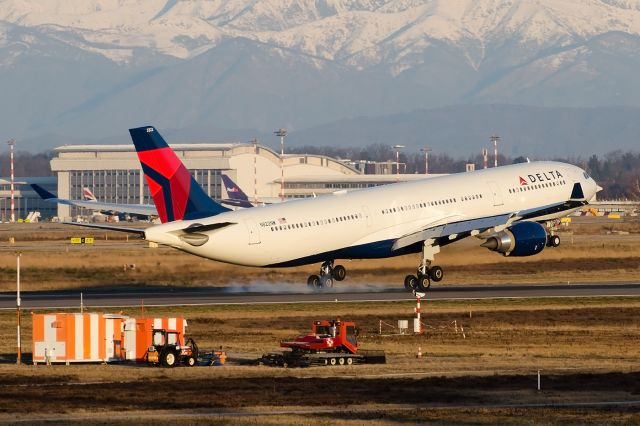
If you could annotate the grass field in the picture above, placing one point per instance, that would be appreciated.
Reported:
(587, 255)
(587, 350)
(480, 358)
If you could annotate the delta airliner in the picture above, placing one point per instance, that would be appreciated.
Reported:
(505, 207)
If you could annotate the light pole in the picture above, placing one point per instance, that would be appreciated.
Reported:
(495, 139)
(426, 151)
(281, 133)
(18, 254)
(254, 142)
(398, 148)
(12, 143)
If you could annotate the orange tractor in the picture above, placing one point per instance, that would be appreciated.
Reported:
(332, 342)
(167, 349)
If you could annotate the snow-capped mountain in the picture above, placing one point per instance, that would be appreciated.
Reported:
(68, 66)
(357, 33)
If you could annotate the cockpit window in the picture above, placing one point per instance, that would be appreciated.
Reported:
(586, 175)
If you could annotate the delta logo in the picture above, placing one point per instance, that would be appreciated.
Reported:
(540, 177)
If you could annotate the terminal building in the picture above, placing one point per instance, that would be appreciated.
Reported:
(26, 201)
(113, 173)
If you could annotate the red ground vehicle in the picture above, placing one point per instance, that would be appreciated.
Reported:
(331, 342)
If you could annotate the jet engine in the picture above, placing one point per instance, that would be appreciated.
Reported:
(520, 239)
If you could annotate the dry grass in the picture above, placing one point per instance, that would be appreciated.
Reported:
(499, 336)
(56, 264)
(586, 349)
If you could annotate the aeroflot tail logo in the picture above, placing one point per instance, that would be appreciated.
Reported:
(540, 177)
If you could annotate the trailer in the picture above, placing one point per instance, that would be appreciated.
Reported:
(331, 342)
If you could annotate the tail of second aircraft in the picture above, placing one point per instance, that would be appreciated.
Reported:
(235, 195)
(175, 192)
(88, 195)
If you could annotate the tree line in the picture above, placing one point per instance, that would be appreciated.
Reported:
(617, 172)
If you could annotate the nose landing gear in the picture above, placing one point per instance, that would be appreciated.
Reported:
(328, 274)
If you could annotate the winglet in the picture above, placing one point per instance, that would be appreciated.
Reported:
(43, 193)
(175, 192)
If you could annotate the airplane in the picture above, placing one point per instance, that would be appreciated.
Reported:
(503, 206)
(236, 198)
(93, 204)
(88, 195)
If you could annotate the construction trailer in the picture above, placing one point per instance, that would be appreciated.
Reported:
(138, 334)
(95, 337)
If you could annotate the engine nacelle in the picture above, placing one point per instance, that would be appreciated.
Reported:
(520, 239)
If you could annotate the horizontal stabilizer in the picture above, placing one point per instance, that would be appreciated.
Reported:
(196, 227)
(137, 231)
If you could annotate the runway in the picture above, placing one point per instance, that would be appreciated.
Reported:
(257, 294)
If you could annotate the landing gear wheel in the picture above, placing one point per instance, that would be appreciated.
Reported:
(410, 282)
(423, 283)
(339, 272)
(436, 273)
(313, 282)
(554, 241)
(326, 281)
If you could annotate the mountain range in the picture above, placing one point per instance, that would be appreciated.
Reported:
(552, 77)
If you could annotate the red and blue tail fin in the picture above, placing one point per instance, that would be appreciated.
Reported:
(175, 192)
(88, 195)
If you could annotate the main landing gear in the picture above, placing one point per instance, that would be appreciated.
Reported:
(426, 273)
(553, 240)
(328, 273)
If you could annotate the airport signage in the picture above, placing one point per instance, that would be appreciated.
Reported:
(81, 240)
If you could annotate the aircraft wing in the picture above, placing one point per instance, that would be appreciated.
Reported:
(453, 228)
(141, 209)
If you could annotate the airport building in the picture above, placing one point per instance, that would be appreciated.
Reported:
(113, 173)
(26, 200)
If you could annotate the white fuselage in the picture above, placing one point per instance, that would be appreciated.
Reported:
(364, 223)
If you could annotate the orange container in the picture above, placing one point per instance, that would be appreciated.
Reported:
(95, 337)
